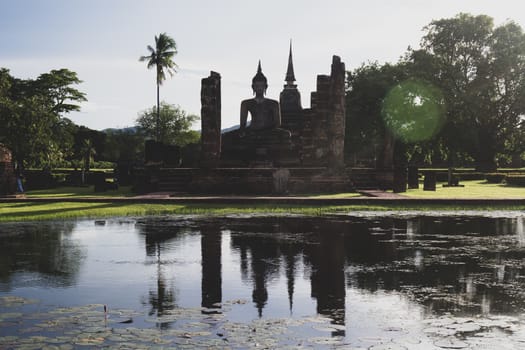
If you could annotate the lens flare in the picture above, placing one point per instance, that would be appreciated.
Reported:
(414, 111)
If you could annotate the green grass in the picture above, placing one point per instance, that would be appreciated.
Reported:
(125, 191)
(472, 189)
(31, 211)
(332, 195)
(88, 191)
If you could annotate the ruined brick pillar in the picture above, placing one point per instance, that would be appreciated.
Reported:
(7, 173)
(400, 167)
(336, 117)
(320, 105)
(211, 120)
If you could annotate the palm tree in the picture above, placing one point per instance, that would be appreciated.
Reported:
(161, 57)
(88, 152)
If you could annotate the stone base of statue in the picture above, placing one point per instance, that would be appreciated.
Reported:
(260, 148)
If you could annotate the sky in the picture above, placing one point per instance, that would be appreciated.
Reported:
(102, 41)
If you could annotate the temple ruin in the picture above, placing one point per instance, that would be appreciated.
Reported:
(309, 160)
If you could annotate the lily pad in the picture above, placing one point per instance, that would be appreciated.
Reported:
(439, 322)
(8, 339)
(325, 340)
(407, 340)
(388, 346)
(88, 340)
(34, 346)
(66, 347)
(465, 327)
(377, 340)
(10, 315)
(330, 328)
(15, 301)
(451, 343)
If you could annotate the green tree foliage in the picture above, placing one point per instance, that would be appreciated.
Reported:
(174, 124)
(5, 88)
(477, 68)
(481, 72)
(124, 145)
(87, 144)
(413, 111)
(57, 87)
(31, 115)
(161, 58)
(367, 87)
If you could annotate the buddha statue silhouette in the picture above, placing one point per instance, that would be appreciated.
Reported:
(265, 114)
(259, 141)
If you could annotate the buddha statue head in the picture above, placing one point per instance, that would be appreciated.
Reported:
(259, 82)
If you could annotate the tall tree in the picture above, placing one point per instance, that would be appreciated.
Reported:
(57, 86)
(161, 58)
(123, 145)
(174, 123)
(31, 113)
(481, 72)
(366, 135)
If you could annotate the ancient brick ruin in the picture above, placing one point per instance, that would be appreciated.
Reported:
(7, 173)
(314, 162)
(211, 120)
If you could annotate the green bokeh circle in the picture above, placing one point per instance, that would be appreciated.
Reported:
(414, 111)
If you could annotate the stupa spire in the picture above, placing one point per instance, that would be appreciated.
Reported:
(290, 76)
(290, 98)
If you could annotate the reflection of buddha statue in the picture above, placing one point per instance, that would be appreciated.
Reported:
(265, 114)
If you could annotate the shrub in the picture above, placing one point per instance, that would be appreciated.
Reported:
(470, 176)
(515, 179)
(39, 179)
(442, 176)
(495, 178)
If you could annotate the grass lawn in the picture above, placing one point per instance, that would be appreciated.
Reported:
(332, 195)
(30, 211)
(471, 189)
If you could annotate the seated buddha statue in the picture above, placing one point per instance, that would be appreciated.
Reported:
(265, 115)
(261, 142)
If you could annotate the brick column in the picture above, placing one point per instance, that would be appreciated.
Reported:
(336, 118)
(211, 120)
(7, 173)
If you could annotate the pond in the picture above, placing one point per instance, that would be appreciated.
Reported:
(374, 281)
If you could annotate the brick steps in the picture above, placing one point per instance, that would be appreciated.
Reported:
(259, 180)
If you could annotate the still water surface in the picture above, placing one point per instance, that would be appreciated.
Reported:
(425, 282)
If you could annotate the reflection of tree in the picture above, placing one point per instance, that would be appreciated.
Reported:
(157, 236)
(462, 258)
(44, 248)
(369, 243)
(163, 298)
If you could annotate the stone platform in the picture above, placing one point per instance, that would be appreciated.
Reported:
(269, 180)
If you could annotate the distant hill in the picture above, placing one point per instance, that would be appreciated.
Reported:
(134, 130)
(231, 128)
(128, 130)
